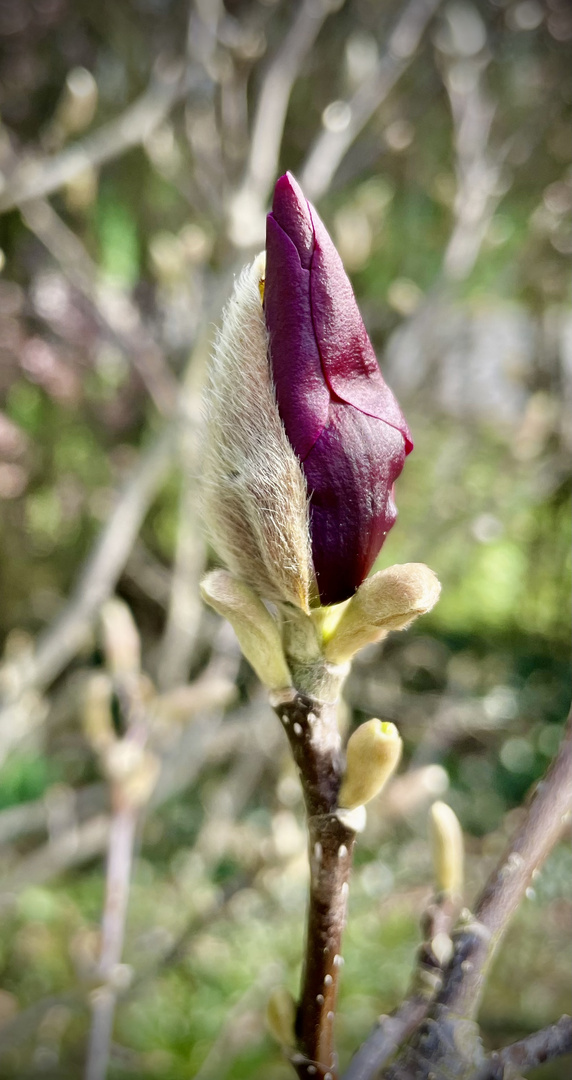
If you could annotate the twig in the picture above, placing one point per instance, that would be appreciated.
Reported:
(118, 876)
(477, 167)
(546, 818)
(393, 1030)
(184, 610)
(272, 104)
(35, 178)
(119, 320)
(449, 1041)
(313, 735)
(247, 205)
(60, 642)
(536, 1049)
(330, 147)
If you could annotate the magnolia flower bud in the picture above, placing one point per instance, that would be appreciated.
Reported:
(390, 600)
(254, 493)
(372, 754)
(256, 630)
(281, 1016)
(341, 419)
(447, 849)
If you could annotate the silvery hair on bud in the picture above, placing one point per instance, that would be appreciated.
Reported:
(254, 492)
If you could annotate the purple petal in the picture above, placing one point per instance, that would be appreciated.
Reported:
(301, 391)
(340, 417)
(350, 473)
(348, 360)
(292, 212)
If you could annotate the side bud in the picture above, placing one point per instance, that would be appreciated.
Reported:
(256, 630)
(390, 600)
(254, 492)
(281, 1016)
(372, 755)
(447, 849)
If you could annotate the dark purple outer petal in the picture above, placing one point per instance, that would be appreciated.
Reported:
(350, 472)
(342, 420)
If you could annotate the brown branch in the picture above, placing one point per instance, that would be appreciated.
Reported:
(536, 1049)
(311, 728)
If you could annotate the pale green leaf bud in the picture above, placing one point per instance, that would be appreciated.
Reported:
(133, 771)
(372, 755)
(281, 1016)
(390, 600)
(121, 642)
(447, 849)
(96, 713)
(256, 630)
(77, 105)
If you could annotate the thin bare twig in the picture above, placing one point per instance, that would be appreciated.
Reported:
(449, 1040)
(248, 204)
(185, 608)
(545, 821)
(391, 1031)
(114, 311)
(330, 147)
(60, 642)
(103, 999)
(536, 1049)
(34, 178)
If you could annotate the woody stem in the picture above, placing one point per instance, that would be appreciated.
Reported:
(311, 728)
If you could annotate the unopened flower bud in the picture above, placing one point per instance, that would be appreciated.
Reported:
(121, 641)
(256, 630)
(390, 600)
(339, 415)
(372, 755)
(254, 494)
(447, 849)
(281, 1016)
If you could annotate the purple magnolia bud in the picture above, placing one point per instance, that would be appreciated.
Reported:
(340, 417)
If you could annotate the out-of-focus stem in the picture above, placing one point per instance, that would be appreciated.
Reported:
(119, 862)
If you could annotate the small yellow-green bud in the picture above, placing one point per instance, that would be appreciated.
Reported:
(390, 600)
(256, 630)
(97, 718)
(372, 754)
(447, 849)
(78, 102)
(281, 1015)
(121, 642)
(133, 771)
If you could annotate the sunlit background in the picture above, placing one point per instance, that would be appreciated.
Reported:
(138, 149)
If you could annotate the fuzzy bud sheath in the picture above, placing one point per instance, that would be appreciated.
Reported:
(254, 492)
